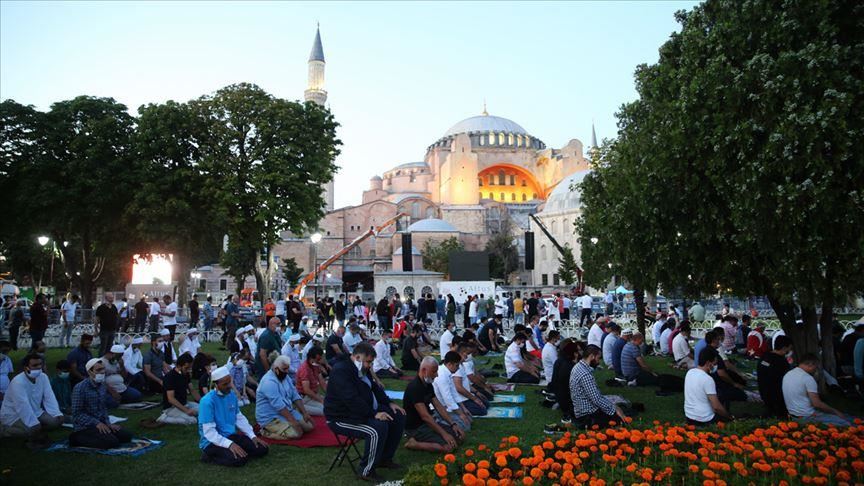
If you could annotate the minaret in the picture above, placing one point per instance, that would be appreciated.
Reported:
(316, 94)
(593, 136)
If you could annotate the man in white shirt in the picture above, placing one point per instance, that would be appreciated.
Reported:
(681, 351)
(550, 354)
(595, 334)
(153, 315)
(352, 337)
(585, 303)
(518, 370)
(801, 394)
(6, 368)
(657, 329)
(609, 300)
(280, 310)
(384, 366)
(446, 338)
(29, 407)
(701, 405)
(169, 315)
(133, 361)
(67, 313)
(190, 344)
(609, 343)
(445, 391)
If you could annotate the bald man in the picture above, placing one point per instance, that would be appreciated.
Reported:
(423, 431)
(269, 342)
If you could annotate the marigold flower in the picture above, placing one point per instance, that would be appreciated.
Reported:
(515, 452)
(469, 479)
(513, 439)
(469, 452)
(470, 467)
(527, 481)
(482, 473)
(449, 458)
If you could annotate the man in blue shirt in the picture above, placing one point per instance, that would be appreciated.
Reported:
(706, 341)
(220, 420)
(626, 335)
(633, 366)
(92, 428)
(78, 359)
(279, 409)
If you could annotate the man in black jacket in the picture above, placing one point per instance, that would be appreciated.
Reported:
(355, 406)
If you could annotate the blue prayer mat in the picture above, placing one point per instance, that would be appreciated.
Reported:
(134, 448)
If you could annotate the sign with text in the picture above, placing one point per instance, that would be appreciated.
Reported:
(461, 290)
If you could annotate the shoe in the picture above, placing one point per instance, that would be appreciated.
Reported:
(566, 422)
(557, 428)
(389, 465)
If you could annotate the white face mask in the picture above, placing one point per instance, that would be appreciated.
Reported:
(34, 373)
(240, 362)
(714, 369)
(359, 365)
(428, 380)
(213, 368)
(99, 377)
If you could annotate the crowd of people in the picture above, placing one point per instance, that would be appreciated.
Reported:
(294, 371)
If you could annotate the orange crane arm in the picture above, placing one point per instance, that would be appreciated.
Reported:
(372, 232)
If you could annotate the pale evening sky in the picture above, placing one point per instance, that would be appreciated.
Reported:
(398, 74)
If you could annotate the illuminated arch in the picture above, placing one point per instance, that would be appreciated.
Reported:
(524, 186)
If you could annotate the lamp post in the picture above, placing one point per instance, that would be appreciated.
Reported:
(315, 239)
(43, 240)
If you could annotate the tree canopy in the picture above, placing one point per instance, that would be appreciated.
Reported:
(436, 256)
(739, 167)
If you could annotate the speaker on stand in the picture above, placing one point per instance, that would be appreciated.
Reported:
(407, 256)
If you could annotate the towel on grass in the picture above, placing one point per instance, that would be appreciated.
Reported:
(498, 398)
(503, 413)
(394, 394)
(134, 448)
(502, 386)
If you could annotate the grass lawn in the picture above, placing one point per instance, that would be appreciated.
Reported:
(178, 461)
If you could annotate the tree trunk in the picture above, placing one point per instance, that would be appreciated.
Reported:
(639, 300)
(804, 338)
(182, 269)
(262, 273)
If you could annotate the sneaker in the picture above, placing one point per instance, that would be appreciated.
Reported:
(566, 422)
(552, 429)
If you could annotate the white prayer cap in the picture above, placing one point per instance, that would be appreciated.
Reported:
(248, 327)
(627, 332)
(92, 363)
(294, 338)
(318, 337)
(137, 340)
(192, 330)
(118, 349)
(220, 373)
(240, 331)
(164, 332)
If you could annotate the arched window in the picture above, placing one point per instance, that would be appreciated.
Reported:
(554, 226)
(355, 252)
(502, 178)
(524, 197)
(391, 291)
(524, 183)
(430, 212)
(500, 139)
(566, 226)
(408, 292)
(512, 196)
(491, 138)
(512, 180)
(533, 195)
(502, 197)
(518, 140)
(491, 196)
(372, 253)
(480, 181)
(482, 140)
(510, 139)
(427, 290)
(543, 252)
(415, 210)
(491, 180)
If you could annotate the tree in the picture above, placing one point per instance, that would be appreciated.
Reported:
(263, 160)
(291, 271)
(171, 210)
(436, 257)
(568, 270)
(503, 253)
(68, 174)
(755, 131)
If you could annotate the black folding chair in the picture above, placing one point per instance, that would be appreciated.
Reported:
(346, 446)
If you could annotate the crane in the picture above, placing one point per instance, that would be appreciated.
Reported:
(579, 285)
(374, 231)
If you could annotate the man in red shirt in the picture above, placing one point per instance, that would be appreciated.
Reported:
(38, 319)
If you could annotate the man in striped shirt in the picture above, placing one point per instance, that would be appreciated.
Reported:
(590, 407)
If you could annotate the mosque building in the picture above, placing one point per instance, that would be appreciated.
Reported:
(478, 173)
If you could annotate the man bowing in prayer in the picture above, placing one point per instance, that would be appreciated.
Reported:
(90, 412)
(227, 438)
(279, 409)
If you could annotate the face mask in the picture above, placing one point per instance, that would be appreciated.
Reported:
(359, 366)
(213, 368)
(34, 373)
(714, 369)
(428, 380)
(99, 378)
(220, 392)
(63, 374)
(240, 363)
(522, 345)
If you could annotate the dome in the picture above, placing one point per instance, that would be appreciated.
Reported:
(562, 198)
(414, 251)
(486, 123)
(431, 225)
(376, 178)
(410, 165)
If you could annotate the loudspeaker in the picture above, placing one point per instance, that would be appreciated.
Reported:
(407, 256)
(529, 250)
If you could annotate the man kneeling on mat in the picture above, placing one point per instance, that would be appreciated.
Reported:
(424, 432)
(90, 412)
(279, 409)
(220, 420)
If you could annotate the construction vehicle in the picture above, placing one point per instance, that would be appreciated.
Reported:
(580, 287)
(374, 231)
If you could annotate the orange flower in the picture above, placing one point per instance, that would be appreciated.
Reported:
(469, 479)
(527, 481)
(513, 439)
(482, 473)
(484, 464)
(515, 452)
(470, 467)
(694, 468)
(501, 461)
(445, 482)
(469, 452)
(449, 458)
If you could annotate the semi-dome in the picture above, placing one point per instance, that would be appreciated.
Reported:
(432, 225)
(486, 123)
(562, 198)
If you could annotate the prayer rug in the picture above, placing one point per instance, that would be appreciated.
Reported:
(503, 413)
(502, 386)
(139, 405)
(321, 436)
(134, 448)
(407, 377)
(508, 398)
(394, 394)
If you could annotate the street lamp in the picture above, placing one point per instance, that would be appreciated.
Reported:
(315, 239)
(594, 240)
(43, 240)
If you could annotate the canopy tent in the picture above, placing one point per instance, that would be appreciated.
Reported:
(622, 290)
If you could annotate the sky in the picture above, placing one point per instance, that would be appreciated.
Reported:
(398, 75)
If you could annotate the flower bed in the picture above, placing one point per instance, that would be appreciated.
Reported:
(784, 453)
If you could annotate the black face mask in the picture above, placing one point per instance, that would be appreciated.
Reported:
(279, 375)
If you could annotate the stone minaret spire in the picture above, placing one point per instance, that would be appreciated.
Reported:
(316, 94)
(315, 86)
